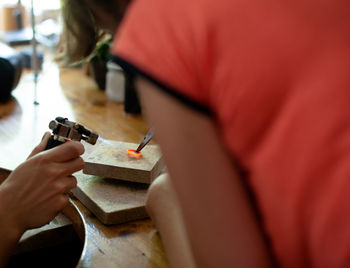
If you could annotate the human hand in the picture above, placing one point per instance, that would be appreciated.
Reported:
(35, 191)
(42, 145)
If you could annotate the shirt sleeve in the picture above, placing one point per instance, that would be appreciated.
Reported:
(158, 40)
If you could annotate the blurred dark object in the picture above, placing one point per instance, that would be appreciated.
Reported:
(99, 72)
(131, 103)
(64, 251)
(26, 56)
(10, 71)
(98, 62)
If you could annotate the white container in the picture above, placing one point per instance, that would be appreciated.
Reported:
(115, 83)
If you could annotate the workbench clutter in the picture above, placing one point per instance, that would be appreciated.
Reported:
(115, 83)
(118, 84)
(13, 17)
(13, 24)
(113, 184)
(120, 88)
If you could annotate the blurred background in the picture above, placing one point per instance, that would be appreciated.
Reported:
(15, 22)
(35, 87)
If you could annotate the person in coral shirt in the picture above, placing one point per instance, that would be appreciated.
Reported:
(250, 102)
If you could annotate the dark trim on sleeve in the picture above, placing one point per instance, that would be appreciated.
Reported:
(127, 66)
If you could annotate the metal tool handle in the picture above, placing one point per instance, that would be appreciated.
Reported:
(52, 142)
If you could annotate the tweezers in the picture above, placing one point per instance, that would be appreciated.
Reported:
(146, 139)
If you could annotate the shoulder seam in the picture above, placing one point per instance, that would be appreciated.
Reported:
(127, 66)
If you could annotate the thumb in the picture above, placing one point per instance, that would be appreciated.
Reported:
(42, 145)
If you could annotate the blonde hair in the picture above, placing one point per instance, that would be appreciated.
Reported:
(80, 31)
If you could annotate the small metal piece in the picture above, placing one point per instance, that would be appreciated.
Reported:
(146, 139)
(92, 138)
(133, 154)
(53, 124)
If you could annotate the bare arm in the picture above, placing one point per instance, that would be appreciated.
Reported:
(222, 228)
(164, 209)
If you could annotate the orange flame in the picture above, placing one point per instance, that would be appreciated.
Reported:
(132, 153)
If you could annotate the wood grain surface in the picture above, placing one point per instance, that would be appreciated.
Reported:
(136, 244)
(111, 201)
(109, 159)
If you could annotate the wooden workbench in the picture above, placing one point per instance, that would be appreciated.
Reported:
(70, 93)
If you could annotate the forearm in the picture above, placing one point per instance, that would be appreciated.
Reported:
(8, 244)
(163, 207)
(216, 208)
(220, 221)
(9, 231)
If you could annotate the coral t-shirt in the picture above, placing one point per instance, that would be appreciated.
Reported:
(275, 76)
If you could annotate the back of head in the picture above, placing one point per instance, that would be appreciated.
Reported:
(81, 26)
